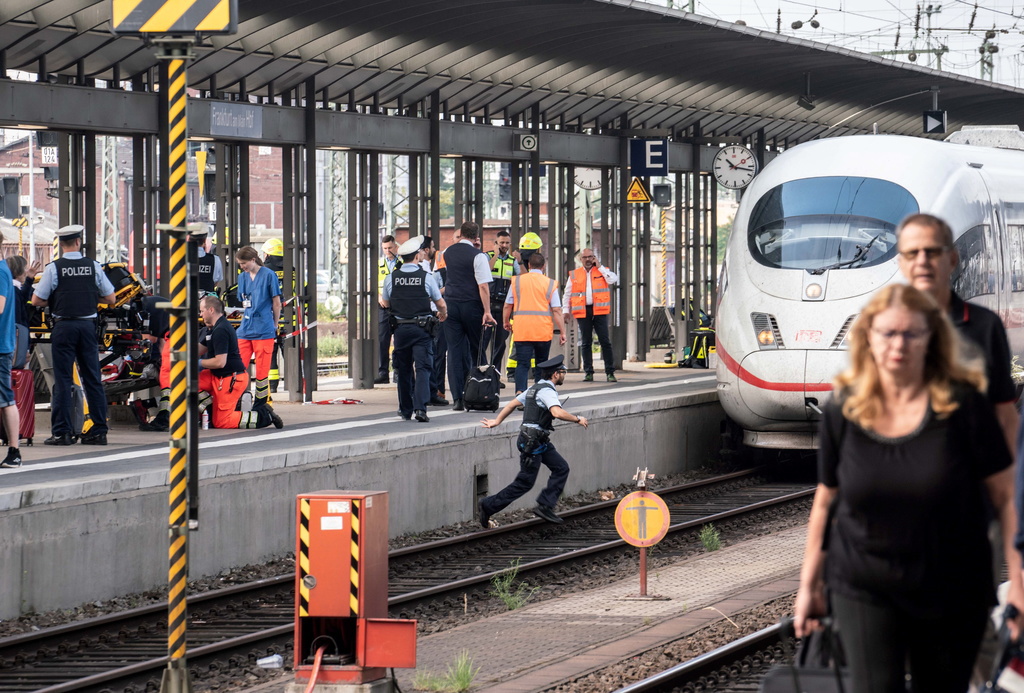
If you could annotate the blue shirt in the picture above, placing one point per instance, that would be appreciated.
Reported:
(10, 310)
(48, 283)
(218, 267)
(430, 283)
(258, 294)
(546, 398)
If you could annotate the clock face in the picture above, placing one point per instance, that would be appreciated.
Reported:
(734, 166)
(588, 178)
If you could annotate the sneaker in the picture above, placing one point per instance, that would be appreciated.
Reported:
(62, 439)
(612, 378)
(548, 514)
(588, 378)
(94, 439)
(13, 459)
(482, 515)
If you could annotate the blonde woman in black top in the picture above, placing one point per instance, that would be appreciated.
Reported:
(909, 448)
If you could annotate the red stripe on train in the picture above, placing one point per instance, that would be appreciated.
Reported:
(748, 377)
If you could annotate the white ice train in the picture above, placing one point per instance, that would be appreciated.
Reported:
(814, 237)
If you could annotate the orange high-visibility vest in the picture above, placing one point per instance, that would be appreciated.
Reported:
(531, 307)
(598, 287)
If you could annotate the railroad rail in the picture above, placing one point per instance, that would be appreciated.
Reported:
(126, 651)
(731, 668)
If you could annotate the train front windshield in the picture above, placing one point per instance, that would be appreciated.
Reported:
(834, 222)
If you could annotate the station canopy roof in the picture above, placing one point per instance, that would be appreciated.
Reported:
(585, 63)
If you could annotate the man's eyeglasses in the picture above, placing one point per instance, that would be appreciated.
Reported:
(586, 257)
(929, 253)
(908, 335)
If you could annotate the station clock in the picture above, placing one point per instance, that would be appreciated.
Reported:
(734, 166)
(588, 178)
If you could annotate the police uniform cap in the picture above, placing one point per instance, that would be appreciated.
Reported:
(198, 229)
(556, 363)
(411, 246)
(69, 232)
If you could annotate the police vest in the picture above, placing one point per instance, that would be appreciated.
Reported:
(533, 413)
(598, 288)
(531, 307)
(76, 293)
(205, 267)
(409, 297)
(383, 271)
(502, 273)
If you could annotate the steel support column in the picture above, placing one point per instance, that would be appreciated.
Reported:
(307, 268)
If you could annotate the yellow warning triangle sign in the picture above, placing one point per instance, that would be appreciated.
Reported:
(637, 193)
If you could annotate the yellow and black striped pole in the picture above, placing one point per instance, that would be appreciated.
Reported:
(176, 679)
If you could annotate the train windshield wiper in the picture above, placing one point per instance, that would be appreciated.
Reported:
(861, 254)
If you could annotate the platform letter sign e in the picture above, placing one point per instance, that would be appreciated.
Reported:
(648, 157)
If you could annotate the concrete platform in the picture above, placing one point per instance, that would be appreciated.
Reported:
(552, 642)
(84, 523)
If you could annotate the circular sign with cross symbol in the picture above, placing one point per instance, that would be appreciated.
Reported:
(642, 519)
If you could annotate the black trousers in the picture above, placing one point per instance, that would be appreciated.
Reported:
(529, 466)
(74, 341)
(384, 333)
(879, 640)
(462, 330)
(590, 324)
(440, 362)
(501, 335)
(414, 349)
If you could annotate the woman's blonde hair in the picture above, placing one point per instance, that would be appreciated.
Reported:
(859, 386)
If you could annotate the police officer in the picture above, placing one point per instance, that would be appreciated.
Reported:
(388, 263)
(407, 294)
(542, 407)
(71, 287)
(504, 267)
(211, 268)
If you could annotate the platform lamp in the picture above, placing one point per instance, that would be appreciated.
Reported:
(806, 100)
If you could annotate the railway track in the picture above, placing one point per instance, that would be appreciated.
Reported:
(127, 651)
(734, 668)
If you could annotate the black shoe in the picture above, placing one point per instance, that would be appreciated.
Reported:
(274, 417)
(459, 405)
(63, 439)
(406, 417)
(438, 402)
(13, 459)
(547, 514)
(421, 415)
(159, 423)
(501, 385)
(483, 515)
(381, 380)
(94, 439)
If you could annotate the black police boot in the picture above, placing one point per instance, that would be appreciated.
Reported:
(548, 514)
(267, 414)
(421, 415)
(483, 515)
(94, 439)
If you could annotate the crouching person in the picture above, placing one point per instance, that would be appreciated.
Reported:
(223, 379)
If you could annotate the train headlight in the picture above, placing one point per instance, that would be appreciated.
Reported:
(812, 291)
(766, 330)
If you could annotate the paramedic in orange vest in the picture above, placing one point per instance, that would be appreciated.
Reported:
(588, 298)
(533, 302)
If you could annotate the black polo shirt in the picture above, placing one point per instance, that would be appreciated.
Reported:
(221, 339)
(983, 330)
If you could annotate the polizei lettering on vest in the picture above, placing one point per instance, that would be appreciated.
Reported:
(206, 269)
(75, 271)
(399, 280)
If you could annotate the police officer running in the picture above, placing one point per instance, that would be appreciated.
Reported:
(211, 268)
(407, 295)
(535, 448)
(72, 286)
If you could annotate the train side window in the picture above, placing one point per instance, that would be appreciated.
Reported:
(974, 273)
(1016, 234)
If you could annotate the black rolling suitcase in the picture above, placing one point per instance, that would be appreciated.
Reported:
(484, 381)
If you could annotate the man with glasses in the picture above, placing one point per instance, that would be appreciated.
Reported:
(927, 259)
(588, 298)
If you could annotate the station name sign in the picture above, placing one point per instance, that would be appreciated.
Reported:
(236, 120)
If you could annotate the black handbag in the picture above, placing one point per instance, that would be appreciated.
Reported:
(818, 666)
(483, 384)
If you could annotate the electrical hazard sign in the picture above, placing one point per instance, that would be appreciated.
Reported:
(642, 519)
(637, 193)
